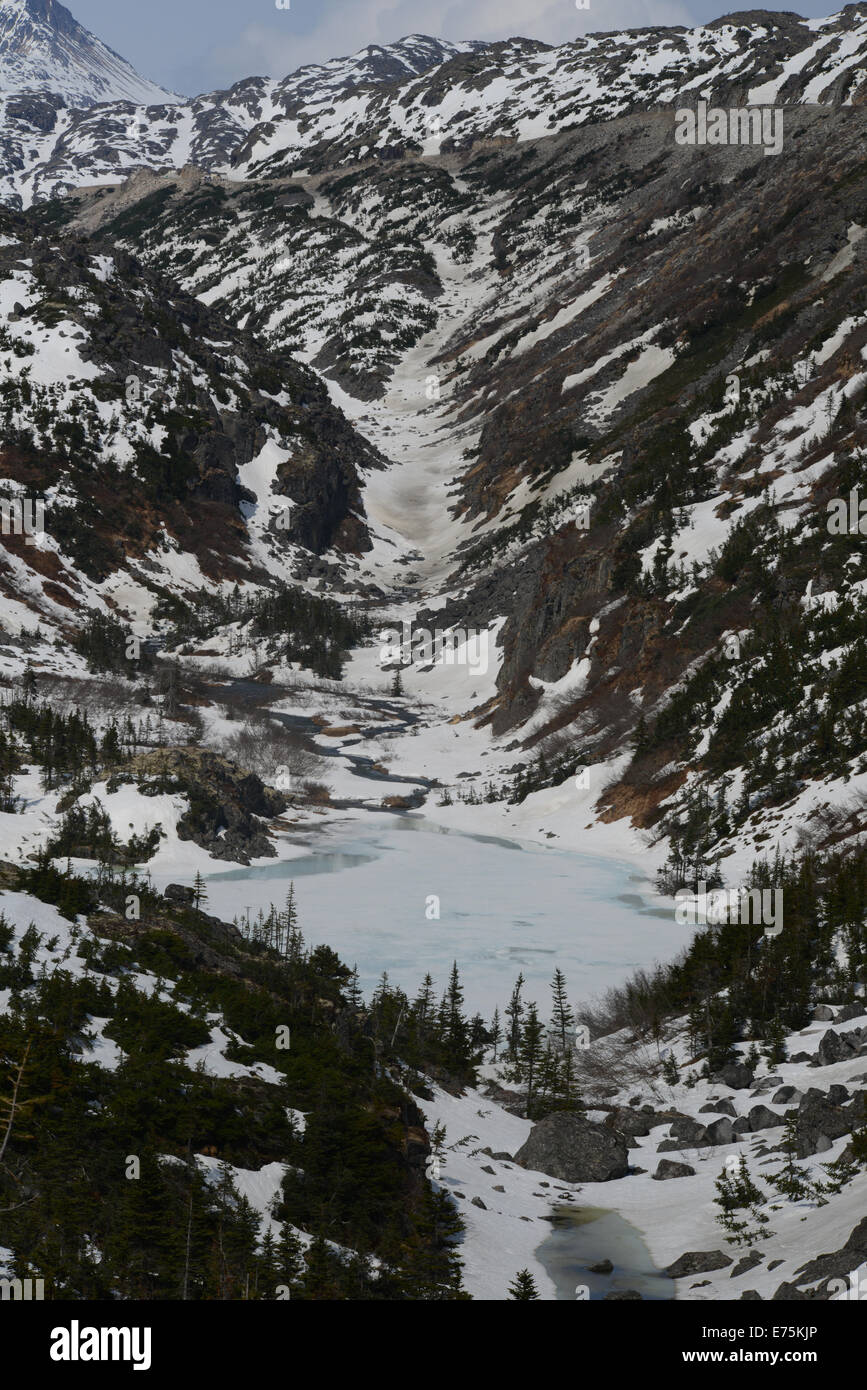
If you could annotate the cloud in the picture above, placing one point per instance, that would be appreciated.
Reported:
(561, 21)
(277, 47)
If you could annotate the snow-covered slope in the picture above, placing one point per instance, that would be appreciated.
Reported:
(43, 48)
(682, 1213)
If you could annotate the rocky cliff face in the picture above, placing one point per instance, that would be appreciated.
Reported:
(154, 430)
(228, 810)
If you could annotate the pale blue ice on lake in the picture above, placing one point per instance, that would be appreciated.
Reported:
(504, 907)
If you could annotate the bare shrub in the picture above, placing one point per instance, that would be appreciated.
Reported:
(107, 697)
(614, 1063)
(266, 747)
(316, 792)
(640, 1006)
(214, 671)
(830, 824)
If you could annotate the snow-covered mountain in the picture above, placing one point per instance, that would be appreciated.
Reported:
(48, 147)
(422, 95)
(513, 320)
(43, 48)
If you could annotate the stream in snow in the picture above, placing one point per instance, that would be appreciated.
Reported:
(587, 1236)
(504, 907)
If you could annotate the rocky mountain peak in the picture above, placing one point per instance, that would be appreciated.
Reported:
(43, 48)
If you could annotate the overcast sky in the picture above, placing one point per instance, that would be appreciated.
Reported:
(192, 46)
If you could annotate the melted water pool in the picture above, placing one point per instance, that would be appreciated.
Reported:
(586, 1236)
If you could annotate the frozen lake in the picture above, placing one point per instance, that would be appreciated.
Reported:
(504, 907)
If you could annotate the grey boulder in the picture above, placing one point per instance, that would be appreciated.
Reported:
(719, 1107)
(698, 1262)
(667, 1168)
(785, 1094)
(766, 1084)
(735, 1075)
(760, 1117)
(819, 1123)
(721, 1131)
(837, 1047)
(573, 1149)
(690, 1132)
(747, 1262)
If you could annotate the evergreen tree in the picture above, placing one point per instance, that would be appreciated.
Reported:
(478, 1035)
(669, 1070)
(514, 1011)
(433, 1267)
(523, 1287)
(457, 1051)
(568, 1083)
(736, 1192)
(267, 1278)
(200, 892)
(776, 1051)
(496, 1032)
(318, 1282)
(791, 1180)
(290, 1258)
(562, 1018)
(354, 996)
(291, 910)
(424, 1008)
(531, 1053)
(438, 1142)
(548, 1076)
(111, 749)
